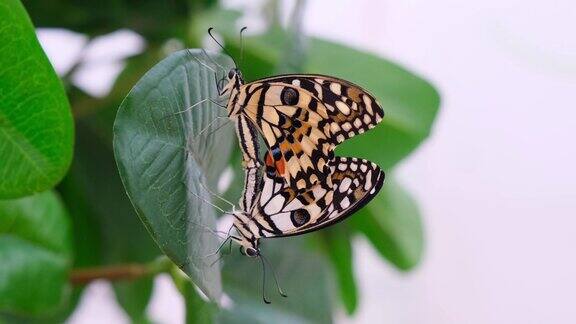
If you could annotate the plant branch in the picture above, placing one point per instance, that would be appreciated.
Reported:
(129, 271)
(112, 273)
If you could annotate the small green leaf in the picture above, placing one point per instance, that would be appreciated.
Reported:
(393, 224)
(198, 311)
(166, 148)
(134, 296)
(338, 247)
(36, 254)
(410, 103)
(36, 129)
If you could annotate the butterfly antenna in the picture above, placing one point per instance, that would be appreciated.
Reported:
(242, 45)
(280, 291)
(221, 46)
(264, 281)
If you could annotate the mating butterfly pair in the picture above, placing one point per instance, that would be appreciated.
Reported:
(302, 118)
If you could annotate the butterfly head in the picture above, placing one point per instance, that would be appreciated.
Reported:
(232, 82)
(246, 239)
(248, 247)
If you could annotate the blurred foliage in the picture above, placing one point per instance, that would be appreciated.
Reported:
(92, 224)
(36, 127)
(35, 250)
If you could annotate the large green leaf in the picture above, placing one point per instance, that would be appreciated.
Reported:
(393, 224)
(165, 151)
(410, 103)
(36, 130)
(35, 249)
(301, 273)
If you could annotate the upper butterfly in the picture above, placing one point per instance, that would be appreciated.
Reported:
(302, 117)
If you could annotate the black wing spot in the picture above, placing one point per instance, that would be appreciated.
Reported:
(289, 96)
(300, 217)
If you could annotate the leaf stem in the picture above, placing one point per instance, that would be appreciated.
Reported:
(129, 271)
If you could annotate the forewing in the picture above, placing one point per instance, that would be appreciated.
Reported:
(303, 117)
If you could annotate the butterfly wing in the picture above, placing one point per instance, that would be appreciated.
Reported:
(303, 117)
(282, 213)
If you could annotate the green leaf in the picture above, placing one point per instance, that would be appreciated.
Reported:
(410, 103)
(134, 296)
(163, 158)
(36, 130)
(393, 224)
(197, 309)
(36, 254)
(338, 247)
(301, 273)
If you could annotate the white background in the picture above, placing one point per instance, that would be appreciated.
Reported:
(496, 181)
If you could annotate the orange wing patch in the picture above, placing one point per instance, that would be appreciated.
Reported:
(279, 166)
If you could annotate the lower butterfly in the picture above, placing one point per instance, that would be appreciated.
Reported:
(270, 208)
(280, 212)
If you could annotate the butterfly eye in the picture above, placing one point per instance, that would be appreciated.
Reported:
(289, 96)
(231, 74)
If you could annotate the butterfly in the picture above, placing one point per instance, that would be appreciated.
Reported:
(301, 117)
(278, 211)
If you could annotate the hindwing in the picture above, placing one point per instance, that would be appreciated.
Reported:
(280, 211)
